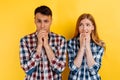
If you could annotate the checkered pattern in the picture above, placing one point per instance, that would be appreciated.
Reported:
(39, 67)
(84, 72)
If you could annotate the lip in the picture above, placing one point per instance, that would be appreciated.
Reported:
(85, 32)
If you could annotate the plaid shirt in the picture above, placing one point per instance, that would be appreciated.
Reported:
(84, 72)
(39, 67)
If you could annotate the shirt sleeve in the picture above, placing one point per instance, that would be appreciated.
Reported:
(28, 59)
(59, 62)
(95, 68)
(71, 56)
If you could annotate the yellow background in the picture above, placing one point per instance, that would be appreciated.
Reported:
(17, 20)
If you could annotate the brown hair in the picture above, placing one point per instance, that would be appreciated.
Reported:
(94, 34)
(45, 10)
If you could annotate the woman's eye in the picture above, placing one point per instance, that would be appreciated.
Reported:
(81, 24)
(87, 24)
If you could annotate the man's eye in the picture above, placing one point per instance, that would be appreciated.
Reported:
(46, 21)
(39, 21)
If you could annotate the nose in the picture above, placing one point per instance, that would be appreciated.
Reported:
(84, 27)
(42, 25)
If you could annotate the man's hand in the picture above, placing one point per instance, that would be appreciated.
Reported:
(42, 37)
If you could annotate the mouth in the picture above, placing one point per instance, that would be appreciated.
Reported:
(85, 32)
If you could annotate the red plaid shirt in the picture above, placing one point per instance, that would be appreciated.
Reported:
(39, 67)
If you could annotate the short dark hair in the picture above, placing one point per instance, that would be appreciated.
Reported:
(43, 10)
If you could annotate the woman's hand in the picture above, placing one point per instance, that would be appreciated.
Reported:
(82, 40)
(87, 40)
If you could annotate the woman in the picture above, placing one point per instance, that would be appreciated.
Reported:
(85, 50)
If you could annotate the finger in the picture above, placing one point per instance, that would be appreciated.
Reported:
(43, 30)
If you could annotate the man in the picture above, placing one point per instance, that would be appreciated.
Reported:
(43, 53)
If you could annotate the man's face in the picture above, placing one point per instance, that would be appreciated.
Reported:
(43, 22)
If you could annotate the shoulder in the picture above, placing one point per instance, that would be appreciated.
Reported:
(28, 37)
(72, 41)
(97, 48)
(57, 36)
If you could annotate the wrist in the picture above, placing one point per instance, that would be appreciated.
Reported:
(88, 47)
(82, 48)
(38, 49)
(46, 46)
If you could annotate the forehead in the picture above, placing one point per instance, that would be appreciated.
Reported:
(42, 16)
(86, 21)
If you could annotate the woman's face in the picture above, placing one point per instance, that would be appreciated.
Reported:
(86, 26)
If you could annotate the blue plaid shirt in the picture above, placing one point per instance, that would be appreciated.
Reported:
(84, 72)
(39, 67)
